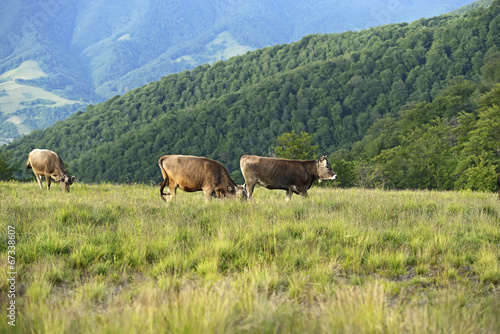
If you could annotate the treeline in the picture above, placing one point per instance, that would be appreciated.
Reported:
(7, 129)
(449, 144)
(474, 5)
(365, 96)
(37, 116)
(43, 116)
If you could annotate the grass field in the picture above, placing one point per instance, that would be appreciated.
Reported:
(116, 259)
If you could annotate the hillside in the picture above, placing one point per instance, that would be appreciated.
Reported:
(468, 8)
(18, 99)
(333, 86)
(94, 50)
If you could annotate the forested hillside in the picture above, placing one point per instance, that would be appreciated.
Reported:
(474, 5)
(373, 101)
(86, 51)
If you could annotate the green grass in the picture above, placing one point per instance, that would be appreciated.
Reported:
(115, 258)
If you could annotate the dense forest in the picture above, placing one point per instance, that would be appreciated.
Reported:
(91, 50)
(400, 106)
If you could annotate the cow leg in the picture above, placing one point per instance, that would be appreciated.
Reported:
(172, 191)
(219, 193)
(47, 179)
(208, 194)
(304, 194)
(288, 194)
(39, 180)
(250, 186)
(162, 186)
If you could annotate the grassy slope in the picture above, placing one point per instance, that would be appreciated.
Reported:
(15, 94)
(114, 258)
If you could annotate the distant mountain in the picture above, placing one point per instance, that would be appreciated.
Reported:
(474, 5)
(90, 50)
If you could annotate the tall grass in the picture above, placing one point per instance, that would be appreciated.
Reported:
(115, 258)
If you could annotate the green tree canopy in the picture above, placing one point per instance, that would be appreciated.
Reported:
(6, 171)
(294, 146)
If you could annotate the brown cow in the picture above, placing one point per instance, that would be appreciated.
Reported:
(294, 176)
(49, 164)
(192, 173)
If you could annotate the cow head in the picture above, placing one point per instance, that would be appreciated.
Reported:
(241, 192)
(325, 171)
(66, 181)
(238, 191)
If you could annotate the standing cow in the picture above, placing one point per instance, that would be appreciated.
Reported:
(191, 173)
(294, 176)
(48, 164)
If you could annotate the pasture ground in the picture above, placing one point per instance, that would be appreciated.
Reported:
(116, 259)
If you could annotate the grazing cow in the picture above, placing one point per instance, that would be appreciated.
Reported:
(294, 176)
(192, 173)
(49, 164)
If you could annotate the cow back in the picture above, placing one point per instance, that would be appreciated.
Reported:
(46, 162)
(194, 172)
(276, 173)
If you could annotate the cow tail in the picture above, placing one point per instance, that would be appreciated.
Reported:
(165, 179)
(28, 164)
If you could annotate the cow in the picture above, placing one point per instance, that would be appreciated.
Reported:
(191, 173)
(48, 164)
(294, 176)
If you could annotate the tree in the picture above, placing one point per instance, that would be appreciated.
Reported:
(346, 172)
(294, 146)
(481, 152)
(481, 176)
(491, 68)
(424, 160)
(6, 171)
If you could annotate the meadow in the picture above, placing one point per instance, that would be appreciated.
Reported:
(114, 258)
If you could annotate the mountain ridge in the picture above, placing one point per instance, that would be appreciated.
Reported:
(92, 50)
(335, 87)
